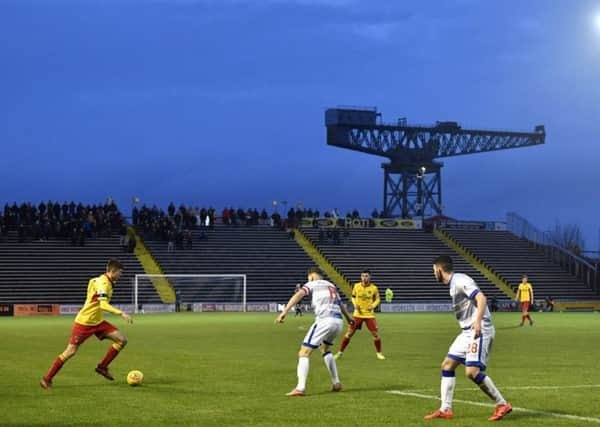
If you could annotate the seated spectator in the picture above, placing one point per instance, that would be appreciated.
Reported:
(549, 303)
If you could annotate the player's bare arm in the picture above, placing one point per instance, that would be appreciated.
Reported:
(481, 305)
(127, 317)
(356, 304)
(292, 302)
(346, 314)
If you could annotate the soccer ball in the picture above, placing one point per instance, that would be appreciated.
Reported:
(135, 378)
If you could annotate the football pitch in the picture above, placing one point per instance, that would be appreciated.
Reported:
(233, 369)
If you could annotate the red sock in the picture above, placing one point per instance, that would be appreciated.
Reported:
(345, 342)
(528, 317)
(58, 363)
(377, 342)
(112, 352)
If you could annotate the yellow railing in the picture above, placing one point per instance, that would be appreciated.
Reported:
(489, 274)
(151, 266)
(321, 260)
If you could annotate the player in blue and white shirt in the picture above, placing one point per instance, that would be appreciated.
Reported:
(329, 310)
(472, 347)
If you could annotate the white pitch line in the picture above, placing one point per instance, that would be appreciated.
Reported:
(526, 387)
(491, 405)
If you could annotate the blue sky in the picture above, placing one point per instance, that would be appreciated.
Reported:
(221, 102)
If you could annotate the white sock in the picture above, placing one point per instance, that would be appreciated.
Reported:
(447, 392)
(331, 367)
(303, 365)
(488, 387)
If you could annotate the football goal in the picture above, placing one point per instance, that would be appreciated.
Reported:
(194, 288)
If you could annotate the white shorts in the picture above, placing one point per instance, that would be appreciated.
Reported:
(472, 351)
(323, 331)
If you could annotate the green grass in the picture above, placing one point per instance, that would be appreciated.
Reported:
(234, 369)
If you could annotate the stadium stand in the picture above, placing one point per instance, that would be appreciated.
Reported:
(398, 259)
(54, 271)
(54, 268)
(510, 257)
(271, 260)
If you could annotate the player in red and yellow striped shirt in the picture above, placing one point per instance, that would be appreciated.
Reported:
(89, 322)
(365, 297)
(525, 296)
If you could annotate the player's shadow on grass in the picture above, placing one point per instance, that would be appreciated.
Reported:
(508, 327)
(382, 387)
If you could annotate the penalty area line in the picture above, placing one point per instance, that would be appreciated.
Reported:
(491, 405)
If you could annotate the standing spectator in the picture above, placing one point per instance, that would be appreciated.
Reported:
(188, 239)
(336, 236)
(493, 303)
(226, 218)
(171, 241)
(135, 213)
(264, 217)
(122, 235)
(131, 243)
(177, 300)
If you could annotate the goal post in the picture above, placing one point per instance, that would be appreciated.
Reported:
(194, 288)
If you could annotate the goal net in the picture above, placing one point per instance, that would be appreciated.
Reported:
(193, 288)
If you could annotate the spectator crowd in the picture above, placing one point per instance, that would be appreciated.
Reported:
(68, 221)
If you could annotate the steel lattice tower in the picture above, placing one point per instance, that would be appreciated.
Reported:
(412, 178)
